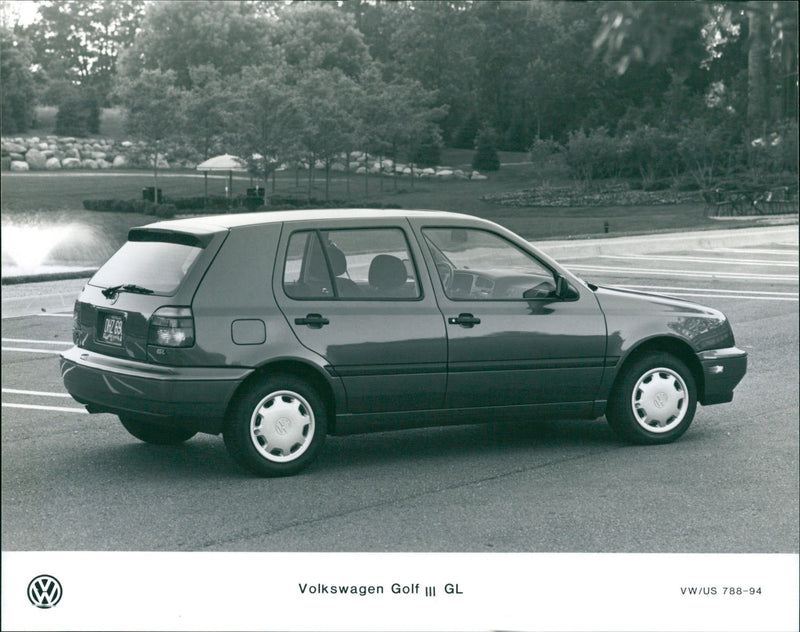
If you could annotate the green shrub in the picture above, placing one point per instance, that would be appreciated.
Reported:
(429, 152)
(78, 115)
(485, 157)
(143, 207)
(164, 210)
(594, 155)
(777, 151)
(464, 137)
(543, 149)
(18, 93)
(650, 153)
(709, 149)
(657, 185)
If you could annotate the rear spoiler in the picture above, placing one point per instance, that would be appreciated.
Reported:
(198, 240)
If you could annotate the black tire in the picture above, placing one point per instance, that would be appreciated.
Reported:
(654, 400)
(156, 434)
(277, 427)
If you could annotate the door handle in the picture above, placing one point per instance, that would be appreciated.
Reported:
(465, 320)
(315, 321)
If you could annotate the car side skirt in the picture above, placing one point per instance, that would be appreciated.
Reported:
(347, 424)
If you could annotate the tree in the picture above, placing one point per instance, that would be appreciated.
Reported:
(324, 99)
(179, 36)
(435, 43)
(79, 41)
(205, 109)
(267, 121)
(152, 116)
(656, 31)
(78, 114)
(411, 118)
(315, 36)
(757, 68)
(17, 94)
(486, 158)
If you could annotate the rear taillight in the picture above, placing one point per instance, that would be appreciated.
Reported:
(171, 327)
(76, 323)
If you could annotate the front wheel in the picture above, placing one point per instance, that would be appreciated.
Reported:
(156, 434)
(654, 401)
(277, 428)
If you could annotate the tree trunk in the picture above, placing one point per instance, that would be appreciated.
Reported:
(758, 69)
(347, 176)
(366, 174)
(155, 175)
(311, 161)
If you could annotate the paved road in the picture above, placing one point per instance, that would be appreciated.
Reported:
(78, 481)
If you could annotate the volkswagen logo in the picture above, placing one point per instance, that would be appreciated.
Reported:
(44, 591)
(282, 426)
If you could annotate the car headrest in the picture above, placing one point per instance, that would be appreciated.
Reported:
(387, 272)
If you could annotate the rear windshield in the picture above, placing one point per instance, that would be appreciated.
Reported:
(159, 266)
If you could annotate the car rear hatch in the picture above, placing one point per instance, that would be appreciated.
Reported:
(144, 292)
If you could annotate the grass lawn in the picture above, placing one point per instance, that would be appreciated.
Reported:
(56, 198)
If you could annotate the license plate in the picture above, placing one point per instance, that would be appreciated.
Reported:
(111, 333)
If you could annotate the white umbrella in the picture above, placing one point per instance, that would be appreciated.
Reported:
(225, 162)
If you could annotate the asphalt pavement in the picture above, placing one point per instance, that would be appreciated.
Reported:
(73, 481)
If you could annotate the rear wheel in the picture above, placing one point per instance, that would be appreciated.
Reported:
(654, 401)
(277, 428)
(156, 434)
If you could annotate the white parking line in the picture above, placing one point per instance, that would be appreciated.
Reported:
(11, 299)
(17, 391)
(25, 350)
(751, 251)
(38, 342)
(685, 273)
(57, 408)
(751, 262)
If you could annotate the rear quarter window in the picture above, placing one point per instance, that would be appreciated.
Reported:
(159, 266)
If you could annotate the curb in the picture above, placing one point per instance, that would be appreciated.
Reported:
(84, 273)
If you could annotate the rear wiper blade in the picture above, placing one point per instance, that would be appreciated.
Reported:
(111, 292)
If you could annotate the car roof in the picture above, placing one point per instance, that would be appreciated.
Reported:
(222, 222)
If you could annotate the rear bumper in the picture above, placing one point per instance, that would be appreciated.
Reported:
(189, 396)
(723, 369)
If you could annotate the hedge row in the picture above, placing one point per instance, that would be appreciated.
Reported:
(144, 207)
(170, 206)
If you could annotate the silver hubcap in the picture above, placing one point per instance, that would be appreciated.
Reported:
(659, 400)
(282, 426)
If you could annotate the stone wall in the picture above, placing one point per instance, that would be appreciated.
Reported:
(52, 153)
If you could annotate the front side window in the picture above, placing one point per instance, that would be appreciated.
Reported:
(357, 264)
(476, 264)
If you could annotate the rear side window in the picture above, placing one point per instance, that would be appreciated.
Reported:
(351, 264)
(159, 266)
